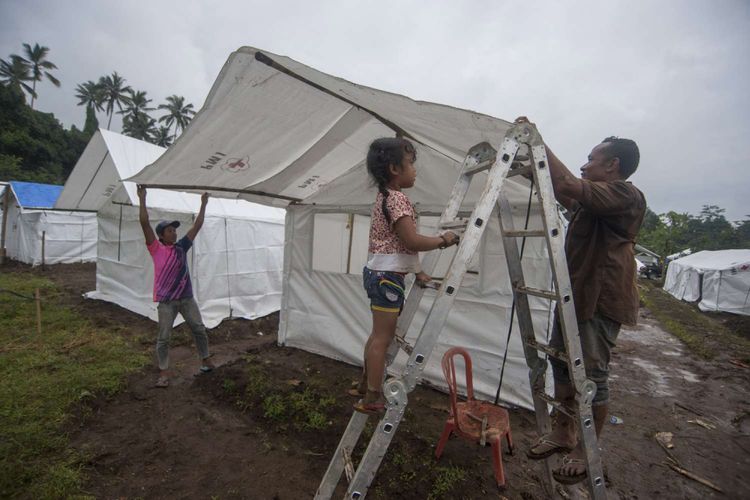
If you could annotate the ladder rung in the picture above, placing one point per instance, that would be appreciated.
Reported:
(518, 233)
(348, 464)
(537, 292)
(454, 224)
(556, 404)
(550, 351)
(403, 344)
(480, 167)
(522, 170)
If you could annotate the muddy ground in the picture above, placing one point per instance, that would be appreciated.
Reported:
(264, 424)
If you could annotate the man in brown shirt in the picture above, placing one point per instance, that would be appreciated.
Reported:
(607, 214)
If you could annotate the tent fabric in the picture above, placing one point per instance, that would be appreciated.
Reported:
(278, 132)
(719, 279)
(34, 195)
(235, 262)
(37, 234)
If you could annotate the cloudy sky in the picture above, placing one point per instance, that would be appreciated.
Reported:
(673, 75)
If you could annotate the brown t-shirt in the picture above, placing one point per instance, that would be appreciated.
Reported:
(600, 250)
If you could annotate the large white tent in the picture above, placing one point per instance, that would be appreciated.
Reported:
(719, 280)
(236, 261)
(278, 132)
(34, 232)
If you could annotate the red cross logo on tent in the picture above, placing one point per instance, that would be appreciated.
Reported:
(236, 164)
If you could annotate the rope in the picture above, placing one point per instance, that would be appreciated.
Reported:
(513, 305)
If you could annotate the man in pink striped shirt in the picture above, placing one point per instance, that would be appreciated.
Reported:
(172, 288)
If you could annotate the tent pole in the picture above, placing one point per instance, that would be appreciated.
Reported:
(44, 238)
(229, 285)
(349, 251)
(6, 204)
(119, 235)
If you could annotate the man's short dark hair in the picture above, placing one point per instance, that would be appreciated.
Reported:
(626, 150)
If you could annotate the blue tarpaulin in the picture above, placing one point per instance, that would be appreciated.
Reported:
(33, 195)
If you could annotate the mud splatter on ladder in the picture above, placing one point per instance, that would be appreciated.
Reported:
(522, 153)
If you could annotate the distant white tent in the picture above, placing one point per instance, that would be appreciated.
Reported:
(36, 233)
(236, 261)
(275, 131)
(719, 279)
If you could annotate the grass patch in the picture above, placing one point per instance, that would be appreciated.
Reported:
(702, 334)
(447, 479)
(302, 408)
(41, 377)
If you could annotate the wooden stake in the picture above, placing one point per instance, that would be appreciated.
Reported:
(38, 312)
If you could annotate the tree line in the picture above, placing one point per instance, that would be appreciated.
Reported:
(109, 94)
(672, 232)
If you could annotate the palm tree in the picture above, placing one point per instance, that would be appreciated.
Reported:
(36, 60)
(16, 73)
(179, 113)
(139, 126)
(162, 137)
(91, 95)
(137, 104)
(115, 93)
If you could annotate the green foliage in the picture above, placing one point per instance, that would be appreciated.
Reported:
(46, 150)
(673, 232)
(36, 59)
(274, 408)
(41, 378)
(447, 479)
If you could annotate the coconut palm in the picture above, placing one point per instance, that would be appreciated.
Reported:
(178, 114)
(162, 137)
(137, 104)
(115, 93)
(36, 59)
(91, 95)
(139, 126)
(16, 73)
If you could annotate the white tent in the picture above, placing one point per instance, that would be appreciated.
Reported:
(36, 233)
(719, 279)
(275, 131)
(236, 261)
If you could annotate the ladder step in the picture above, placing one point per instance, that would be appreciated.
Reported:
(348, 464)
(556, 404)
(525, 233)
(480, 167)
(537, 292)
(550, 351)
(522, 170)
(454, 224)
(403, 344)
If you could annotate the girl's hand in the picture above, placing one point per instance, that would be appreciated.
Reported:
(449, 238)
(423, 278)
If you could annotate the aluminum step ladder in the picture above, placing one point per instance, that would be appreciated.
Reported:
(508, 162)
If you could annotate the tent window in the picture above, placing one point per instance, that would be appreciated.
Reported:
(340, 243)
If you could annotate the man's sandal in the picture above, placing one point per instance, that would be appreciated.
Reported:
(374, 408)
(570, 479)
(553, 449)
(162, 382)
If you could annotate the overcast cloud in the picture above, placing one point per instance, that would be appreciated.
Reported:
(673, 75)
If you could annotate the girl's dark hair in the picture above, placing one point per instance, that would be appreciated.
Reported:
(383, 153)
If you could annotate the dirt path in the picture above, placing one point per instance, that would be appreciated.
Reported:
(204, 437)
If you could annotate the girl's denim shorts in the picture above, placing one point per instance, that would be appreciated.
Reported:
(385, 290)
